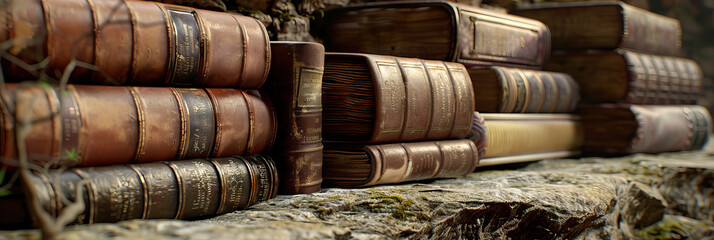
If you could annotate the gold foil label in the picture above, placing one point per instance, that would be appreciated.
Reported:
(310, 88)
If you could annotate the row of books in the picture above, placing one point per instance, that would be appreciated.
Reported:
(400, 105)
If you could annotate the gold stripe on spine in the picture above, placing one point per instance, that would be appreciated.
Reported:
(253, 188)
(55, 105)
(132, 19)
(92, 195)
(268, 54)
(54, 201)
(526, 89)
(171, 39)
(251, 123)
(146, 190)
(222, 182)
(181, 190)
(273, 173)
(183, 142)
(95, 23)
(245, 51)
(405, 101)
(410, 163)
(442, 153)
(138, 102)
(203, 48)
(432, 106)
(218, 124)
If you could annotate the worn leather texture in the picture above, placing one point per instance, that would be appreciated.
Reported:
(103, 125)
(527, 91)
(577, 25)
(295, 86)
(658, 79)
(478, 37)
(139, 43)
(417, 99)
(402, 162)
(657, 128)
(184, 189)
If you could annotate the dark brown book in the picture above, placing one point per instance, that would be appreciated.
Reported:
(137, 43)
(516, 138)
(379, 99)
(625, 76)
(439, 31)
(356, 165)
(295, 86)
(615, 129)
(607, 25)
(184, 189)
(513, 90)
(89, 125)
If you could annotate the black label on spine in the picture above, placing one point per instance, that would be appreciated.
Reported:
(185, 58)
(201, 123)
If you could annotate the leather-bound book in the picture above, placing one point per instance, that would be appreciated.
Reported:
(381, 99)
(607, 25)
(184, 189)
(295, 86)
(137, 43)
(439, 31)
(357, 165)
(516, 138)
(90, 125)
(624, 76)
(616, 129)
(513, 90)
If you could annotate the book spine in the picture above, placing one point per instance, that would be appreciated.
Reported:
(142, 43)
(532, 91)
(486, 37)
(401, 162)
(516, 134)
(420, 99)
(661, 80)
(295, 85)
(101, 125)
(179, 189)
(479, 134)
(657, 128)
(644, 30)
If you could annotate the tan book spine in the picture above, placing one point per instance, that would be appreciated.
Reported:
(513, 90)
(626, 76)
(295, 85)
(103, 125)
(183, 189)
(139, 43)
(626, 128)
(413, 99)
(518, 134)
(607, 25)
(401, 162)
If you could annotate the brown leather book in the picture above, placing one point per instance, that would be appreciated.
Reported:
(513, 90)
(137, 43)
(295, 86)
(357, 165)
(89, 125)
(625, 76)
(528, 137)
(614, 129)
(379, 99)
(607, 25)
(439, 31)
(184, 189)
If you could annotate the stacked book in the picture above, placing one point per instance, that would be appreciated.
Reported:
(638, 94)
(180, 139)
(526, 113)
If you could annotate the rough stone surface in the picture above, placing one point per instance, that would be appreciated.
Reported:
(640, 196)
